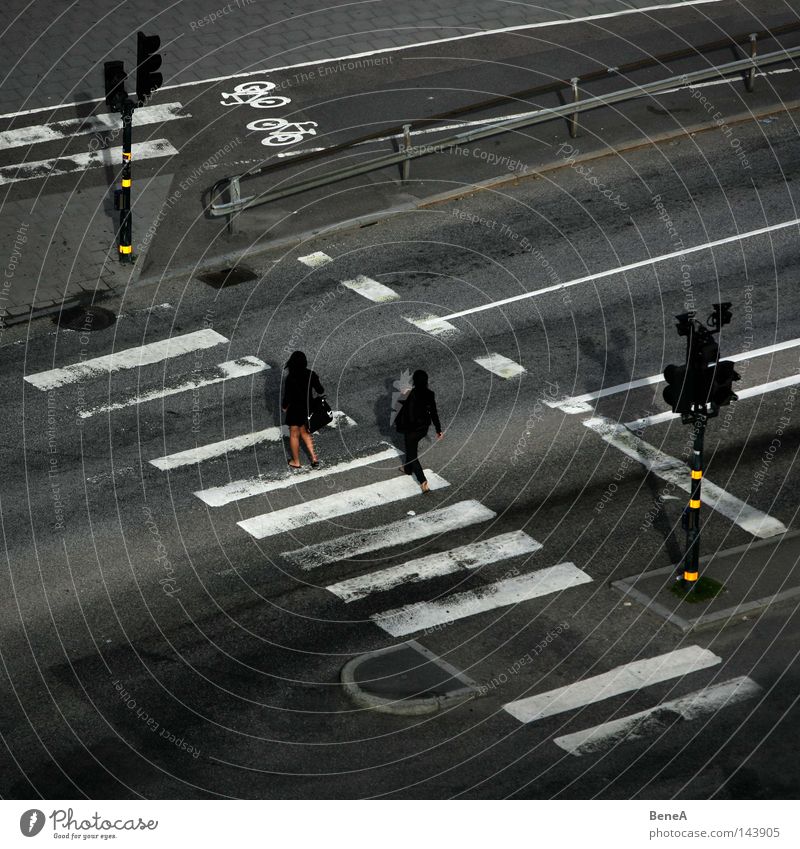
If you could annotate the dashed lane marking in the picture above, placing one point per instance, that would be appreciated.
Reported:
(442, 520)
(218, 496)
(623, 679)
(675, 472)
(500, 365)
(337, 504)
(110, 156)
(144, 355)
(657, 720)
(472, 556)
(371, 289)
(432, 614)
(244, 367)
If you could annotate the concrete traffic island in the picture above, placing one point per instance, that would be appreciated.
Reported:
(754, 577)
(405, 680)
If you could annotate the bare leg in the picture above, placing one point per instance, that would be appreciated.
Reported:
(309, 443)
(294, 445)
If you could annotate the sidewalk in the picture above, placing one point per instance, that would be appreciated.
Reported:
(755, 577)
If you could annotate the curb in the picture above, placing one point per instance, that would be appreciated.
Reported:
(719, 619)
(400, 706)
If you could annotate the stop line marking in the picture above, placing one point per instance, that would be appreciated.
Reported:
(143, 355)
(580, 403)
(623, 679)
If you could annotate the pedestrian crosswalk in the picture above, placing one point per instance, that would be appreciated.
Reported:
(372, 571)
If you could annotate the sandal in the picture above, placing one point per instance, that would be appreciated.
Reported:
(315, 464)
(424, 486)
(292, 466)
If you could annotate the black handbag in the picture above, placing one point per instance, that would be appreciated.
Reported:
(319, 414)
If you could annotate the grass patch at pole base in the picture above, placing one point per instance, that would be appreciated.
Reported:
(703, 589)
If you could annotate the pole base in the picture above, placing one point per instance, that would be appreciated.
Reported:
(703, 589)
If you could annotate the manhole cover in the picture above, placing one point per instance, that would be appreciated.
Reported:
(85, 319)
(228, 277)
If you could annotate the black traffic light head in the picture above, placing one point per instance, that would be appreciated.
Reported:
(721, 393)
(115, 85)
(685, 320)
(148, 62)
(680, 390)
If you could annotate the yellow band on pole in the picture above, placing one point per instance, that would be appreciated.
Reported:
(696, 475)
(125, 249)
(690, 576)
(694, 503)
(126, 184)
(126, 156)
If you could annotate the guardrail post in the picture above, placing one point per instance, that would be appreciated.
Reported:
(573, 121)
(405, 169)
(750, 79)
(235, 194)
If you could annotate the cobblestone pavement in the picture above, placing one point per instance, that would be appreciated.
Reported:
(52, 57)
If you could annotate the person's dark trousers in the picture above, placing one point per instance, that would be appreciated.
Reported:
(412, 464)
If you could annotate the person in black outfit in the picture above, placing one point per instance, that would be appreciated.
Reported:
(296, 401)
(413, 421)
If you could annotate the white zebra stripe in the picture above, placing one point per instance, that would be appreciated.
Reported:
(337, 504)
(434, 325)
(656, 720)
(218, 496)
(500, 365)
(472, 556)
(623, 679)
(315, 260)
(144, 355)
(440, 521)
(432, 614)
(244, 367)
(371, 289)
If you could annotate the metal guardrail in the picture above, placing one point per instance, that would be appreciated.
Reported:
(407, 152)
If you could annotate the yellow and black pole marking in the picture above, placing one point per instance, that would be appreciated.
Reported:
(125, 239)
(691, 565)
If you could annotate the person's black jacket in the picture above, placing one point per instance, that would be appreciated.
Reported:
(418, 411)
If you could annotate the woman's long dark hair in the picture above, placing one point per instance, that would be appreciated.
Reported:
(420, 380)
(297, 361)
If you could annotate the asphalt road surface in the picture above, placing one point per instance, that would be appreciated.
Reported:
(174, 619)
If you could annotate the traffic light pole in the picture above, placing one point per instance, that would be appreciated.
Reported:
(125, 239)
(691, 562)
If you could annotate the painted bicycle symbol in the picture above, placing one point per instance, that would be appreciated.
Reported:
(282, 132)
(255, 94)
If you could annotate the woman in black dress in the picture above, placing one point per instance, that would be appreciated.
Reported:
(296, 400)
(419, 411)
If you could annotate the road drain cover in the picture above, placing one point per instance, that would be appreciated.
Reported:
(228, 277)
(85, 319)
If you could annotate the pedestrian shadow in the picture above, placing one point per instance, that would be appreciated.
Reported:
(383, 414)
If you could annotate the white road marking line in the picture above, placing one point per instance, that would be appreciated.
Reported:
(144, 355)
(108, 122)
(218, 496)
(192, 456)
(622, 269)
(750, 392)
(472, 556)
(500, 365)
(371, 289)
(337, 504)
(315, 260)
(243, 367)
(440, 521)
(430, 614)
(578, 403)
(317, 62)
(676, 472)
(434, 325)
(83, 161)
(656, 720)
(623, 679)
